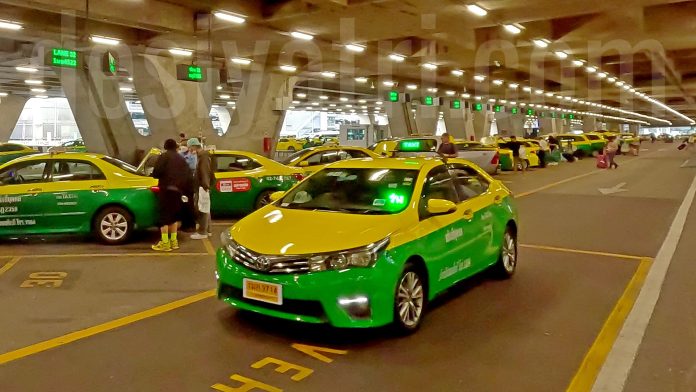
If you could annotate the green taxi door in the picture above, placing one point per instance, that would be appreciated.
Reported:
(23, 202)
(77, 189)
(235, 189)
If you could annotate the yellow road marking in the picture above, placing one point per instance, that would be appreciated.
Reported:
(586, 375)
(209, 247)
(144, 254)
(9, 264)
(97, 329)
(586, 252)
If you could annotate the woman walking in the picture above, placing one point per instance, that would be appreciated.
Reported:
(610, 152)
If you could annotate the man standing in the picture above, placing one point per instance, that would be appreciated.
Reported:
(174, 182)
(543, 149)
(203, 177)
(447, 148)
(515, 147)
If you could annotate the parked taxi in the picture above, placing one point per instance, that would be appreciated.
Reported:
(379, 240)
(244, 180)
(75, 193)
(10, 151)
(289, 144)
(575, 144)
(597, 140)
(313, 159)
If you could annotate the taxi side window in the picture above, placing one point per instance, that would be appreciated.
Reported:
(468, 182)
(438, 185)
(24, 173)
(75, 171)
(10, 147)
(326, 157)
(356, 154)
(231, 163)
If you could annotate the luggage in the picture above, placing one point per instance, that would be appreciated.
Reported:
(681, 146)
(601, 161)
(569, 157)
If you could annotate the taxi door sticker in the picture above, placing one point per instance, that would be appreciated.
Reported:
(234, 185)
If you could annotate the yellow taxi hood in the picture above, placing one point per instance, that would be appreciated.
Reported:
(282, 231)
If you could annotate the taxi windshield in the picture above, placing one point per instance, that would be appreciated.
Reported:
(356, 191)
(295, 157)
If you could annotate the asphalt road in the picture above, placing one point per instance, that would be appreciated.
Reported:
(581, 250)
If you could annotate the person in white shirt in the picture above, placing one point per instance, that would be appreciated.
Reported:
(543, 148)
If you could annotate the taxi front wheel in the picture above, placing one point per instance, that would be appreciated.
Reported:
(507, 261)
(409, 300)
(113, 225)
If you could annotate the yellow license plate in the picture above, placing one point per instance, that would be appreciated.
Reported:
(263, 291)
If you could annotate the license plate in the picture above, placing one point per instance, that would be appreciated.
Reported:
(263, 291)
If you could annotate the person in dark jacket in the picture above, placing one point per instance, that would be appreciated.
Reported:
(174, 184)
(203, 178)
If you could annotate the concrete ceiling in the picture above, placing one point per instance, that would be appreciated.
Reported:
(649, 44)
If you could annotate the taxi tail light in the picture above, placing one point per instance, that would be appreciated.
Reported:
(495, 159)
(298, 176)
(155, 189)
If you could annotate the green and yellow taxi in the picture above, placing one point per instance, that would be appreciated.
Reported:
(10, 151)
(313, 159)
(244, 181)
(529, 152)
(74, 146)
(629, 138)
(597, 140)
(289, 144)
(379, 240)
(575, 144)
(75, 193)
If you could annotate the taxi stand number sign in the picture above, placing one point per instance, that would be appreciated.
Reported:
(393, 96)
(191, 73)
(64, 58)
(428, 100)
(514, 110)
(110, 64)
(456, 104)
(478, 107)
(498, 108)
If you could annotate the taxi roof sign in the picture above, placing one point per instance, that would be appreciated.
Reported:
(417, 145)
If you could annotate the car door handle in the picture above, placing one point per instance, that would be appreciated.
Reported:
(96, 188)
(34, 191)
(468, 214)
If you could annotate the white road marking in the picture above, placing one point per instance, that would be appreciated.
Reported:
(615, 371)
(615, 189)
(686, 162)
(662, 149)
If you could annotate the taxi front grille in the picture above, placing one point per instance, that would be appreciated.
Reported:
(268, 264)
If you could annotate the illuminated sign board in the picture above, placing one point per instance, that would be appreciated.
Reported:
(498, 108)
(514, 110)
(456, 104)
(530, 112)
(393, 96)
(191, 73)
(63, 58)
(410, 145)
(571, 116)
(563, 115)
(477, 107)
(428, 100)
(110, 64)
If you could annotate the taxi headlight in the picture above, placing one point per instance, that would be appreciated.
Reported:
(361, 257)
(226, 240)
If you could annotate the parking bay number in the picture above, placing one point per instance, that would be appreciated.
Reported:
(44, 279)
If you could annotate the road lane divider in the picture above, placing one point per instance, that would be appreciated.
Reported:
(90, 255)
(104, 327)
(209, 247)
(585, 252)
(6, 267)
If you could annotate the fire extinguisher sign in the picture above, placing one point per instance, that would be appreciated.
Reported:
(230, 185)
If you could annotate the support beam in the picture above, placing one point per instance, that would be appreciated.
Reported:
(11, 108)
(426, 119)
(510, 124)
(589, 124)
(456, 120)
(482, 122)
(400, 117)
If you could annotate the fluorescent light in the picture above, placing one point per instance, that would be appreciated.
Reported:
(411, 86)
(324, 97)
(527, 89)
(33, 82)
(362, 101)
(513, 85)
(301, 95)
(126, 89)
(218, 87)
(602, 75)
(388, 83)
(399, 58)
(539, 92)
(379, 103)
(626, 87)
(98, 39)
(131, 79)
(476, 10)
(498, 82)
(361, 79)
(466, 95)
(180, 52)
(296, 102)
(591, 69)
(429, 66)
(491, 100)
(3, 94)
(302, 36)
(333, 105)
(619, 83)
(288, 68)
(457, 72)
(328, 74)
(541, 42)
(611, 80)
(343, 99)
(38, 90)
(568, 98)
(241, 60)
(224, 96)
(561, 54)
(478, 97)
(315, 103)
(450, 92)
(578, 63)
(503, 101)
(479, 78)
(229, 17)
(549, 94)
(9, 25)
(432, 90)
(355, 48)
(26, 69)
(41, 96)
(513, 29)
(231, 103)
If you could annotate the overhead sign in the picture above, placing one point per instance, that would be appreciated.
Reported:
(530, 112)
(63, 58)
(393, 96)
(514, 110)
(455, 104)
(498, 108)
(191, 73)
(428, 100)
(478, 106)
(571, 116)
(110, 64)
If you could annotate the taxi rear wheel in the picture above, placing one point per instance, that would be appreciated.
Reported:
(409, 300)
(113, 225)
(507, 261)
(263, 199)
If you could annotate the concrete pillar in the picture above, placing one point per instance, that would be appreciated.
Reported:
(510, 124)
(482, 122)
(562, 125)
(613, 126)
(99, 109)
(547, 125)
(455, 120)
(11, 108)
(589, 124)
(469, 125)
(426, 119)
(400, 117)
(260, 111)
(172, 106)
(633, 128)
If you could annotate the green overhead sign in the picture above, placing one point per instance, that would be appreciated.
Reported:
(428, 100)
(456, 104)
(478, 106)
(110, 64)
(514, 110)
(571, 116)
(191, 73)
(498, 108)
(63, 58)
(393, 96)
(530, 112)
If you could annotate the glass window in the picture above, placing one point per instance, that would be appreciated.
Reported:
(468, 182)
(356, 154)
(23, 173)
(64, 170)
(227, 163)
(122, 165)
(10, 147)
(358, 191)
(438, 185)
(326, 157)
(295, 157)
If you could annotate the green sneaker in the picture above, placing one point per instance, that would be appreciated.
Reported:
(174, 244)
(162, 246)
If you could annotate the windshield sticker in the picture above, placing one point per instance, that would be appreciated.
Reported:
(460, 265)
(351, 177)
(336, 174)
(408, 180)
(301, 197)
(393, 185)
(379, 202)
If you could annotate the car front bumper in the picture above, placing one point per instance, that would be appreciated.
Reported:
(350, 298)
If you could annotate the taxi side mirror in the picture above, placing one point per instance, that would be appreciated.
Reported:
(441, 207)
(303, 164)
(275, 196)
